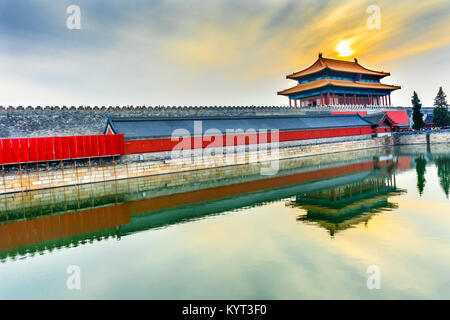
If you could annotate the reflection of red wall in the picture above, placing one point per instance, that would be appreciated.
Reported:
(169, 201)
(403, 163)
(42, 229)
(19, 233)
(158, 145)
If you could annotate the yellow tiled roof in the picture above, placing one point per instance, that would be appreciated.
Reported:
(338, 83)
(336, 65)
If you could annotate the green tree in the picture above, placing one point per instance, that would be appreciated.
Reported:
(421, 164)
(417, 115)
(443, 171)
(441, 117)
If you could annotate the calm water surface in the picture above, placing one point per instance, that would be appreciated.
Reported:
(310, 232)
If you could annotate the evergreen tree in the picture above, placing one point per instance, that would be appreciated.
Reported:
(443, 171)
(421, 164)
(417, 115)
(440, 112)
(440, 100)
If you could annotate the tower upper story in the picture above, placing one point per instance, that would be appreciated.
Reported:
(326, 68)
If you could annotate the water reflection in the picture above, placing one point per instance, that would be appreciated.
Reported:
(421, 164)
(336, 192)
(443, 169)
(342, 207)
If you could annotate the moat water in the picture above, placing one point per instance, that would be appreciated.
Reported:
(372, 225)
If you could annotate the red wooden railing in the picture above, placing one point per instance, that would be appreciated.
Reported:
(22, 150)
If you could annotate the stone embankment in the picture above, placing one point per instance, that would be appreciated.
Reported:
(422, 137)
(27, 178)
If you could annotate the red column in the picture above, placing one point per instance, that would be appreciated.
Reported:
(345, 100)
(389, 99)
(368, 99)
(334, 101)
(295, 102)
(354, 97)
(290, 102)
(328, 99)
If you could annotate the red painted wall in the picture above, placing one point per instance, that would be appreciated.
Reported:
(77, 147)
(24, 150)
(158, 145)
(350, 112)
(382, 129)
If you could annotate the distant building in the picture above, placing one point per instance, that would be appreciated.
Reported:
(337, 82)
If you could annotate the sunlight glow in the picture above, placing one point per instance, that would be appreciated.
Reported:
(344, 49)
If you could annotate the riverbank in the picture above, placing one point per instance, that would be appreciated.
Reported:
(78, 173)
(265, 162)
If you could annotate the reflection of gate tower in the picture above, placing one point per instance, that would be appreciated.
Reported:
(345, 206)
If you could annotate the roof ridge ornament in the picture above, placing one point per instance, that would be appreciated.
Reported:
(356, 60)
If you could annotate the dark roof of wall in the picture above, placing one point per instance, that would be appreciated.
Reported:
(375, 118)
(429, 117)
(378, 118)
(147, 128)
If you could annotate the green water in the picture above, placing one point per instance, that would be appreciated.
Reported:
(309, 238)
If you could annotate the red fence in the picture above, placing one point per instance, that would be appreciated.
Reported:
(167, 144)
(23, 150)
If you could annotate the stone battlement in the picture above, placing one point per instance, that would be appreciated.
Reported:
(17, 122)
(193, 108)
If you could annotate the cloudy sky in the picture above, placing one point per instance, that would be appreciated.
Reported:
(215, 52)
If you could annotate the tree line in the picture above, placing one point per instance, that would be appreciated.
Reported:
(441, 115)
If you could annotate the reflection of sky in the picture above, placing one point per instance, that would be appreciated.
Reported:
(261, 252)
(220, 52)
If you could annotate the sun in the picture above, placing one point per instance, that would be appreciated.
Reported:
(344, 49)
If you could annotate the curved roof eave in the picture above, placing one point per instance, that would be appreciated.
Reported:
(327, 63)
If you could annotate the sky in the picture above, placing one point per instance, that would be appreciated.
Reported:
(216, 52)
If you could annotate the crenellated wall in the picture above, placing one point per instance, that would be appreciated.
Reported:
(63, 121)
(17, 122)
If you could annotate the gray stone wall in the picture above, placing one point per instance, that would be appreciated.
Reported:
(63, 121)
(16, 122)
(420, 137)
